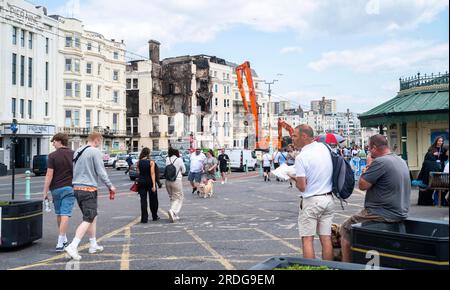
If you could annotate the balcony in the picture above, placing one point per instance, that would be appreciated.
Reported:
(84, 132)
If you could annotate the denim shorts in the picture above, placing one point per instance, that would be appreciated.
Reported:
(195, 176)
(63, 200)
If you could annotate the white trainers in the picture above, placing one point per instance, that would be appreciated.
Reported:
(95, 249)
(223, 182)
(171, 216)
(72, 253)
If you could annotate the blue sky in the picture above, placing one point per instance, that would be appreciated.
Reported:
(351, 50)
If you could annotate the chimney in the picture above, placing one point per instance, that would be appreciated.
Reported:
(153, 47)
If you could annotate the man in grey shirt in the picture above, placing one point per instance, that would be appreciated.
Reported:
(388, 184)
(88, 169)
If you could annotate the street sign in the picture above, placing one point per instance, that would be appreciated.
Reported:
(14, 127)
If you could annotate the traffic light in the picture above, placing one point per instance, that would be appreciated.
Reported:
(14, 127)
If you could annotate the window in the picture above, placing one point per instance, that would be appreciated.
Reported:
(46, 109)
(22, 70)
(22, 108)
(216, 117)
(30, 40)
(116, 55)
(215, 74)
(228, 90)
(99, 69)
(88, 119)
(98, 117)
(69, 87)
(228, 76)
(68, 118)
(46, 45)
(135, 83)
(30, 109)
(30, 72)
(14, 107)
(99, 88)
(217, 101)
(89, 68)
(77, 65)
(77, 89)
(22, 38)
(224, 103)
(116, 97)
(228, 103)
(256, 85)
(224, 90)
(236, 96)
(128, 84)
(46, 76)
(69, 41)
(14, 69)
(228, 117)
(99, 48)
(216, 88)
(116, 75)
(88, 91)
(77, 41)
(224, 76)
(89, 46)
(155, 145)
(68, 64)
(171, 125)
(14, 35)
(76, 118)
(115, 121)
(155, 124)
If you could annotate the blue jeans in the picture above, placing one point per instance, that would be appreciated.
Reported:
(63, 200)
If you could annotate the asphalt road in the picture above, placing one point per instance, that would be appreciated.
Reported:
(245, 223)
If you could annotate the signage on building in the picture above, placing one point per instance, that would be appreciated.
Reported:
(23, 16)
(41, 130)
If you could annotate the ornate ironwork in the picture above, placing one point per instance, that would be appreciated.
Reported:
(423, 81)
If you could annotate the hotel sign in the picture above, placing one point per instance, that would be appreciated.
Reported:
(23, 16)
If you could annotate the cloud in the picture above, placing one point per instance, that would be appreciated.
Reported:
(199, 21)
(291, 49)
(398, 56)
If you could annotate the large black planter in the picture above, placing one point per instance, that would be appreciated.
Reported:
(285, 262)
(414, 244)
(20, 223)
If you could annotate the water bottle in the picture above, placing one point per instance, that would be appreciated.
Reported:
(47, 206)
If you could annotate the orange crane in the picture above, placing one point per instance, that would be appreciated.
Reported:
(244, 69)
(283, 125)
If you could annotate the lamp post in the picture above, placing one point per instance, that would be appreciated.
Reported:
(268, 112)
(14, 130)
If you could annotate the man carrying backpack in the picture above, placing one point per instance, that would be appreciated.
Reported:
(387, 181)
(314, 172)
(174, 171)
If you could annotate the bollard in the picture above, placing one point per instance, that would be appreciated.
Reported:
(27, 185)
(246, 167)
(260, 169)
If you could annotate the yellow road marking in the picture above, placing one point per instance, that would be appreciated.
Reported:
(220, 258)
(62, 256)
(423, 261)
(275, 238)
(125, 258)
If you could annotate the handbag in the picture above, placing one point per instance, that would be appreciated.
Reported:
(135, 187)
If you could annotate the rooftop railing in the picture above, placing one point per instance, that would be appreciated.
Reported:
(423, 81)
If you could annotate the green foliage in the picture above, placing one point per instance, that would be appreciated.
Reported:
(4, 203)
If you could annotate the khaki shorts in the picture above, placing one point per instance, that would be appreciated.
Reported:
(316, 216)
(362, 217)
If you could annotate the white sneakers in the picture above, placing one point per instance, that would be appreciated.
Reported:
(95, 249)
(72, 253)
(171, 216)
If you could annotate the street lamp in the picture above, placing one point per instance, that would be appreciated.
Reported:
(14, 130)
(268, 110)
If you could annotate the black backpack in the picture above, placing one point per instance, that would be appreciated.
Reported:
(343, 177)
(170, 172)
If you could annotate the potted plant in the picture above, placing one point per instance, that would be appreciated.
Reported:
(293, 263)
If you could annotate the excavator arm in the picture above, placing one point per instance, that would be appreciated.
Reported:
(241, 70)
(283, 125)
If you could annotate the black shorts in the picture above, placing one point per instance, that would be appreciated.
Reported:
(87, 201)
(223, 169)
(266, 169)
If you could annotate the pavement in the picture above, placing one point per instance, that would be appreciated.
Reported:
(246, 222)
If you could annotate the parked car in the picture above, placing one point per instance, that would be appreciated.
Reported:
(111, 162)
(160, 162)
(240, 158)
(40, 165)
(187, 164)
(121, 162)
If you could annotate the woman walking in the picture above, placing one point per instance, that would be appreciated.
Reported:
(438, 152)
(210, 167)
(174, 184)
(147, 185)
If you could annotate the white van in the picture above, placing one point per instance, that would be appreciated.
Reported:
(239, 158)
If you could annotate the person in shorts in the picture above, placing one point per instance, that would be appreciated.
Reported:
(223, 165)
(88, 169)
(59, 181)
(267, 165)
(196, 169)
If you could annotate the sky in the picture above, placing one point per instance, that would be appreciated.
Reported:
(353, 51)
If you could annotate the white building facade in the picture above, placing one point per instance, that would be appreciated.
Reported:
(28, 80)
(91, 91)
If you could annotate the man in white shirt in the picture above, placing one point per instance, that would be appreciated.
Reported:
(267, 165)
(314, 171)
(196, 169)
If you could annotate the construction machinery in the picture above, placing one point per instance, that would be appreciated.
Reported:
(241, 70)
(283, 125)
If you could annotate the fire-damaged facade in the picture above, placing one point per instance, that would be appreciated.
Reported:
(188, 105)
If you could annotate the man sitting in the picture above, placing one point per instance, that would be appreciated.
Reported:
(387, 181)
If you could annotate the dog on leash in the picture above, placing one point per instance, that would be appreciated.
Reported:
(206, 189)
